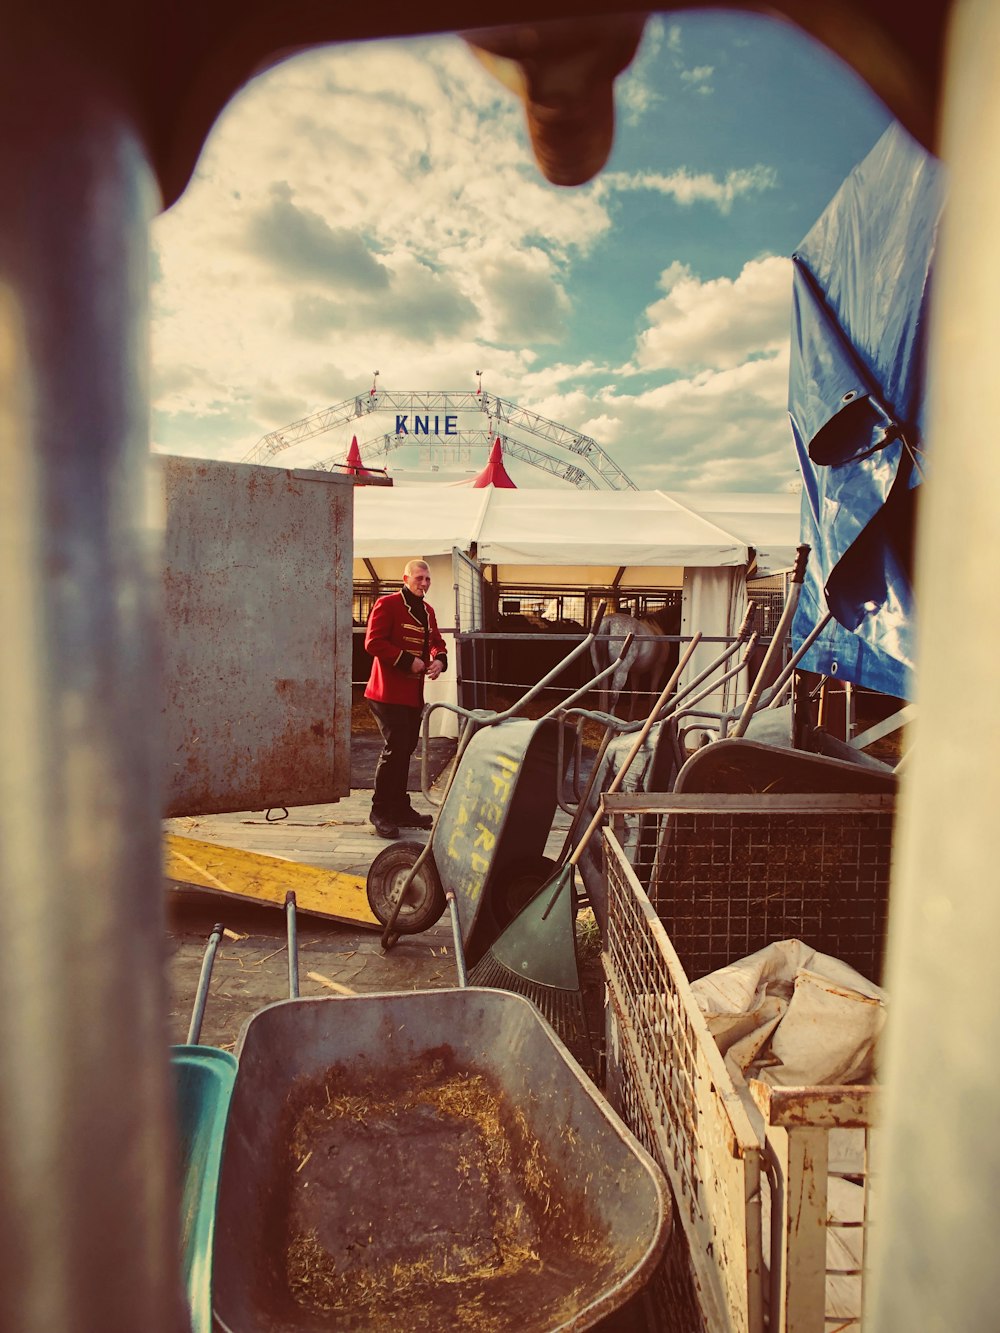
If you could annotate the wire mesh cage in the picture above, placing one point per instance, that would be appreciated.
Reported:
(728, 874)
(723, 876)
(666, 1078)
(768, 594)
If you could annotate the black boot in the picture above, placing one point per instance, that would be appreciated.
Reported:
(384, 828)
(413, 819)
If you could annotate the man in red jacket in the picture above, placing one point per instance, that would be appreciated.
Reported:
(404, 639)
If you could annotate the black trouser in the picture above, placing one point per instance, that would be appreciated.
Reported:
(400, 728)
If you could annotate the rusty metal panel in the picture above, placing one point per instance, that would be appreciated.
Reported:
(257, 641)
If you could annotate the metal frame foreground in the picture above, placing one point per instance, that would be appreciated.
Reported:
(88, 1213)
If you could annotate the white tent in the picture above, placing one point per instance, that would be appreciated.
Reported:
(767, 523)
(701, 544)
(590, 530)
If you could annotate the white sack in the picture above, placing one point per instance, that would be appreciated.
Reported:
(793, 1017)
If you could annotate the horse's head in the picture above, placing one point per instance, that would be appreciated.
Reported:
(667, 619)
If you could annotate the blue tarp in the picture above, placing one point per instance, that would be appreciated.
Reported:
(857, 404)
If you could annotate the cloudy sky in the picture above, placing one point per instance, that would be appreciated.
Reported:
(377, 207)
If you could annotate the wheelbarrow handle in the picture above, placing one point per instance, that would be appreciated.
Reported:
(777, 644)
(584, 690)
(637, 745)
(204, 980)
(686, 694)
(781, 681)
(749, 617)
(799, 568)
(293, 945)
(478, 717)
(456, 935)
(715, 683)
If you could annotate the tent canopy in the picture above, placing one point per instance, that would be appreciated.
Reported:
(638, 530)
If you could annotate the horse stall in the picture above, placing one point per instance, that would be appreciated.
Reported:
(534, 625)
(518, 575)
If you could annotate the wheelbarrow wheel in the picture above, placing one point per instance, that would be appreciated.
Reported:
(424, 900)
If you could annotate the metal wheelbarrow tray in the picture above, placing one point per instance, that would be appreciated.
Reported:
(495, 821)
(203, 1078)
(433, 1160)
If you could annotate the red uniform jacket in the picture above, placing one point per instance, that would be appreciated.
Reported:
(394, 637)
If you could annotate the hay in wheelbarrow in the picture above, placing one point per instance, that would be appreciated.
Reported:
(435, 1160)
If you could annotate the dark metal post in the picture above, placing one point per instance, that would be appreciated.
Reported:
(89, 1225)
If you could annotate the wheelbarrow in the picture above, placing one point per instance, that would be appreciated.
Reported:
(430, 1160)
(489, 835)
(204, 1077)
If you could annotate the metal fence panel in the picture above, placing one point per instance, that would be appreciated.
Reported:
(726, 875)
(470, 611)
(668, 1080)
(473, 669)
(257, 614)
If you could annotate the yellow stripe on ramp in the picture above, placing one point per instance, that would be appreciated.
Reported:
(266, 879)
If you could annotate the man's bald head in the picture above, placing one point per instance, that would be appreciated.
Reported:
(417, 577)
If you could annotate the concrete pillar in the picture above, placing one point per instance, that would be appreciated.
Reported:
(936, 1203)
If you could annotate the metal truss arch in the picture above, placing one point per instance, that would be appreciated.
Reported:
(379, 446)
(589, 467)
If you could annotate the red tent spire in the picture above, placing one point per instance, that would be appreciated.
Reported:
(354, 465)
(494, 473)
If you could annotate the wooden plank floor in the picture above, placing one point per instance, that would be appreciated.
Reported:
(252, 970)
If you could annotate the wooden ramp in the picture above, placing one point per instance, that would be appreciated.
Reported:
(255, 877)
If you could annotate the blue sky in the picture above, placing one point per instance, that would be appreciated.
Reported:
(377, 207)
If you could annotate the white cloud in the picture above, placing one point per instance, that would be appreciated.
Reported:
(719, 323)
(299, 243)
(358, 205)
(377, 207)
(698, 78)
(723, 429)
(695, 78)
(687, 188)
(636, 88)
(523, 299)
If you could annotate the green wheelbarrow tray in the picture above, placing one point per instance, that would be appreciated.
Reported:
(203, 1079)
(495, 820)
(435, 1160)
